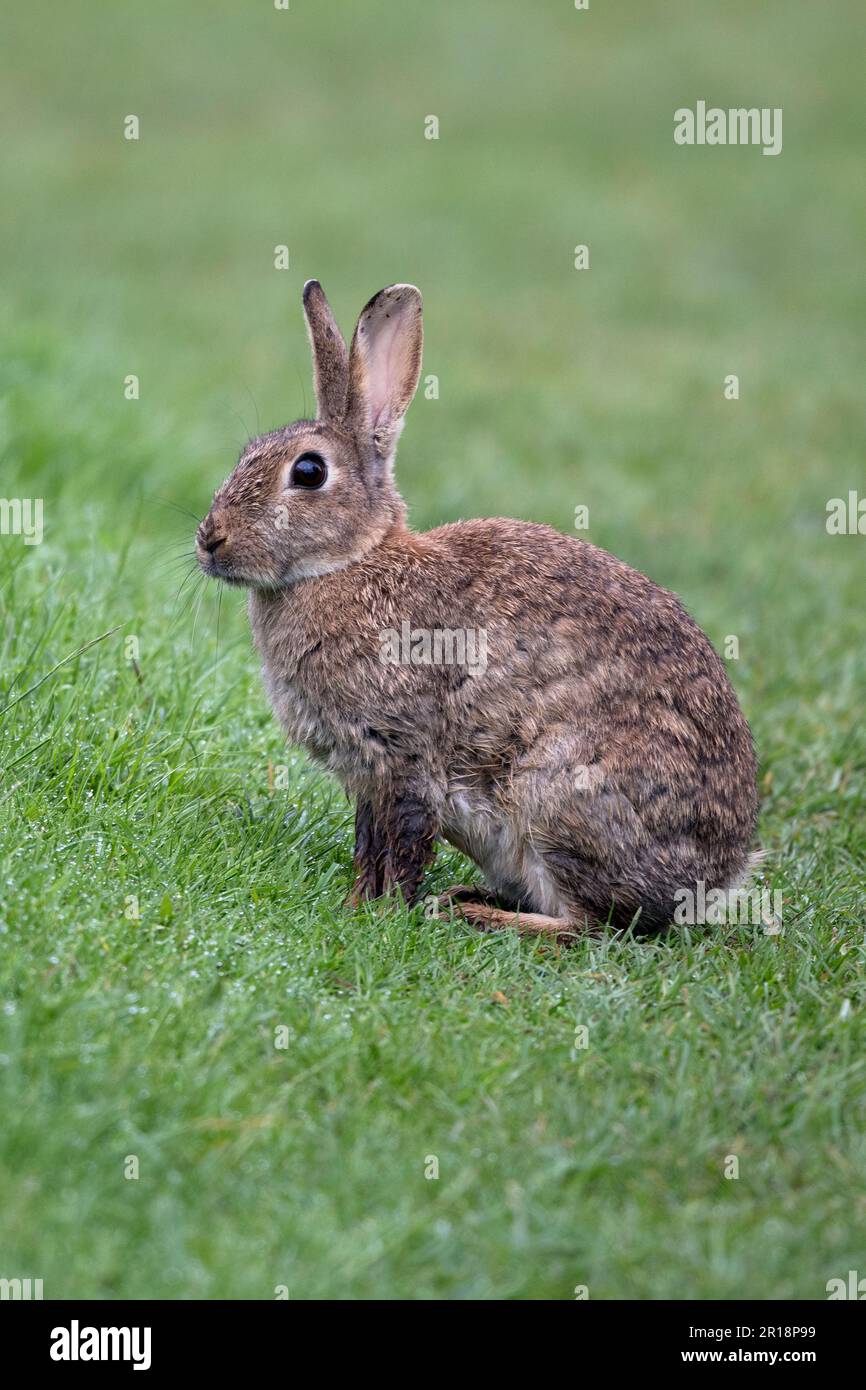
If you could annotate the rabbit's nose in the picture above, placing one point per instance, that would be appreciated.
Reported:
(209, 537)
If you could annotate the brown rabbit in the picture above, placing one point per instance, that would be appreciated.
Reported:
(520, 693)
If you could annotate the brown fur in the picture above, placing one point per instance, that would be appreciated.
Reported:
(597, 765)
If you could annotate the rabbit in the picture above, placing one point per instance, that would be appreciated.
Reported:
(593, 764)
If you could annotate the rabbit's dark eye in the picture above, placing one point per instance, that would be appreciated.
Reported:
(308, 471)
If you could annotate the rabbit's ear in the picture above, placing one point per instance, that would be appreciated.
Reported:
(384, 366)
(330, 358)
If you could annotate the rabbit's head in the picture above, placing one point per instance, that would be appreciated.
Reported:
(316, 495)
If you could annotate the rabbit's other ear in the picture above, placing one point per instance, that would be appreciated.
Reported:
(330, 358)
(384, 366)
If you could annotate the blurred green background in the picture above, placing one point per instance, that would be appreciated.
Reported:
(557, 387)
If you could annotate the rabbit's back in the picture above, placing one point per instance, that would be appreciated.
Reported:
(608, 741)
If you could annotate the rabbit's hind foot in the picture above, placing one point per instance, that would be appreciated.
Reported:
(469, 904)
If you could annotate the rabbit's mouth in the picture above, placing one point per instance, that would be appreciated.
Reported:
(214, 569)
(212, 551)
(208, 562)
(215, 565)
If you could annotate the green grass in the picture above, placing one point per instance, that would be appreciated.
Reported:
(155, 1036)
